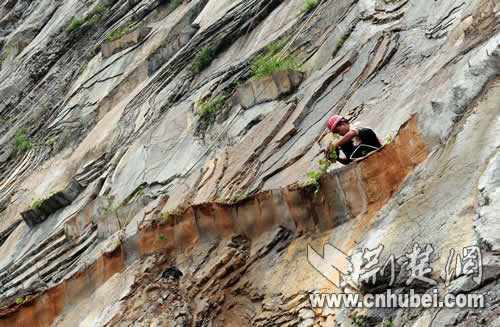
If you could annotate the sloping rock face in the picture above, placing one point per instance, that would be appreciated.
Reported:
(268, 88)
(188, 219)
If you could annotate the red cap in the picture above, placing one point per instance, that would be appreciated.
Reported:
(333, 121)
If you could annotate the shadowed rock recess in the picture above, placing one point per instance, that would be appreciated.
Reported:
(148, 177)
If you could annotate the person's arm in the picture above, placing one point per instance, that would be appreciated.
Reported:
(346, 138)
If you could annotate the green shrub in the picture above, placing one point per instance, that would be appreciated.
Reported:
(74, 25)
(263, 66)
(98, 10)
(20, 142)
(98, 13)
(308, 7)
(210, 106)
(95, 19)
(19, 300)
(273, 47)
(340, 43)
(203, 58)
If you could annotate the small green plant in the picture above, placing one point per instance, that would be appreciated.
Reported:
(388, 1)
(239, 197)
(332, 153)
(117, 242)
(98, 10)
(315, 176)
(95, 19)
(57, 190)
(51, 141)
(74, 25)
(19, 300)
(263, 66)
(358, 321)
(274, 47)
(174, 3)
(388, 324)
(36, 204)
(63, 85)
(116, 34)
(20, 142)
(154, 50)
(308, 7)
(160, 237)
(340, 43)
(140, 192)
(98, 13)
(210, 106)
(203, 58)
(388, 139)
(165, 215)
(83, 68)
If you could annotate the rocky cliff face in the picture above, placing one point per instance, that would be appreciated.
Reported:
(146, 179)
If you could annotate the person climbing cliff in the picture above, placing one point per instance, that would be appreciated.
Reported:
(357, 140)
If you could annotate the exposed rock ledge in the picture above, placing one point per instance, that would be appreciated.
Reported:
(361, 188)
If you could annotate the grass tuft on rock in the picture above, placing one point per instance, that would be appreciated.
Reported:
(98, 13)
(274, 47)
(20, 142)
(122, 31)
(210, 106)
(74, 25)
(309, 6)
(203, 58)
(263, 66)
